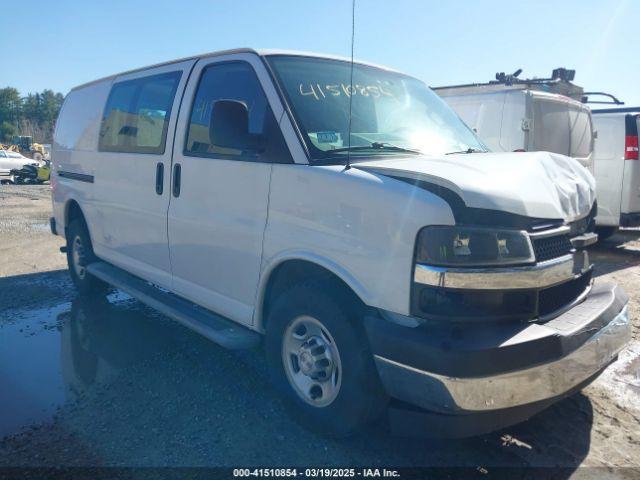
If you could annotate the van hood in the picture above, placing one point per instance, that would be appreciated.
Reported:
(533, 184)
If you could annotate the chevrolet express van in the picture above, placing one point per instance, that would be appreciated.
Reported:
(517, 118)
(402, 266)
(617, 169)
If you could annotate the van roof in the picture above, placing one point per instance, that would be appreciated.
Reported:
(259, 52)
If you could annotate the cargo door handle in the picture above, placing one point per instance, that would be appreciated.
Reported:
(159, 178)
(177, 171)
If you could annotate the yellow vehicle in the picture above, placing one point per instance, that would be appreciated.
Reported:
(26, 146)
(9, 147)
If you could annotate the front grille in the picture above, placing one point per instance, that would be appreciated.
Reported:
(551, 247)
(554, 298)
(439, 303)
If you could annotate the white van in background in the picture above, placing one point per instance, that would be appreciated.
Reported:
(617, 168)
(510, 114)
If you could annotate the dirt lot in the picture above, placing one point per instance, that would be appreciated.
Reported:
(113, 383)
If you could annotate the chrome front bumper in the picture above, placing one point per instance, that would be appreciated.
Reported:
(541, 275)
(448, 394)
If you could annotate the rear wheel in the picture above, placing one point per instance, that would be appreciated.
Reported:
(319, 359)
(79, 256)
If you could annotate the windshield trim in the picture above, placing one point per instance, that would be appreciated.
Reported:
(324, 157)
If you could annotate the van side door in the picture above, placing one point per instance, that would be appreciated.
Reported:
(131, 185)
(220, 188)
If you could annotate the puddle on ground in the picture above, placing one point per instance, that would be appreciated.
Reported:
(51, 356)
(32, 387)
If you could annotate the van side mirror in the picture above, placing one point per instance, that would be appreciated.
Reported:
(229, 127)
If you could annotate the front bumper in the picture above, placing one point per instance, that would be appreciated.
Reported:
(466, 369)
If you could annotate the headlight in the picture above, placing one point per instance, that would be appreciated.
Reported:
(473, 247)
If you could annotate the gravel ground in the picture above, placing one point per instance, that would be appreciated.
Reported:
(112, 383)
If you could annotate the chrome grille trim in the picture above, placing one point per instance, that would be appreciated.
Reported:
(541, 275)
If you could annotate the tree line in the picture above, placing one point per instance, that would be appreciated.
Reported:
(34, 114)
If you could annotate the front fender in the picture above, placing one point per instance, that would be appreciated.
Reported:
(359, 225)
(311, 257)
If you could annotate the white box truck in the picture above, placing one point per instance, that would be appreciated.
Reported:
(511, 114)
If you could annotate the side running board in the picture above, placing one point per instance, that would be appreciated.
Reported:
(214, 327)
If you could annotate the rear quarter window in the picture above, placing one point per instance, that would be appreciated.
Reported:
(137, 113)
(78, 124)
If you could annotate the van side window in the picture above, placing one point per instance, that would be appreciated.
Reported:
(137, 113)
(235, 81)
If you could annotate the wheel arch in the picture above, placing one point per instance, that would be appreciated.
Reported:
(72, 211)
(289, 269)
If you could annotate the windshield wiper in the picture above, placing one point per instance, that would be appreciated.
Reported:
(376, 146)
(468, 150)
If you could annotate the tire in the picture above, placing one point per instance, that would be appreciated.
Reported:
(322, 328)
(605, 232)
(79, 255)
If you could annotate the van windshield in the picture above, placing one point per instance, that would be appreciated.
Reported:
(561, 128)
(391, 113)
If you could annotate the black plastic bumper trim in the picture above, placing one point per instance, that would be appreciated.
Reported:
(482, 349)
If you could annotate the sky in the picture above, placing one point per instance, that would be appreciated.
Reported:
(440, 42)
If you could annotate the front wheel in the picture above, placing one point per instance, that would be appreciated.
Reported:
(319, 359)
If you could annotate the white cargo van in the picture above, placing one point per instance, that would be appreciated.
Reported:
(234, 193)
(522, 117)
(617, 169)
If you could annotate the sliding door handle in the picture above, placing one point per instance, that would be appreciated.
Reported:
(177, 173)
(159, 178)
